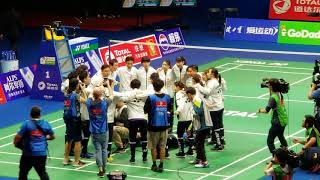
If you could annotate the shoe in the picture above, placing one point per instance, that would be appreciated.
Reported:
(190, 152)
(160, 169)
(154, 168)
(217, 148)
(144, 159)
(109, 159)
(79, 164)
(67, 163)
(119, 150)
(87, 155)
(181, 155)
(223, 142)
(202, 165)
(132, 160)
(101, 174)
(212, 143)
(196, 161)
(167, 156)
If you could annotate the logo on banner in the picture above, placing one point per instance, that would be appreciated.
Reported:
(281, 6)
(41, 85)
(163, 40)
(251, 29)
(299, 33)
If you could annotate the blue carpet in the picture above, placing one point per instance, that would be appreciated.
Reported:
(8, 178)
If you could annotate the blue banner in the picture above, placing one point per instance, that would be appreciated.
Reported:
(47, 83)
(251, 30)
(16, 84)
(85, 51)
(171, 36)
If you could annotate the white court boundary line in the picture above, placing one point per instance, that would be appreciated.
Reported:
(251, 97)
(221, 49)
(260, 70)
(11, 143)
(253, 165)
(245, 157)
(125, 165)
(13, 134)
(80, 170)
(272, 66)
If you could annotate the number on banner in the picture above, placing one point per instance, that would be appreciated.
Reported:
(47, 74)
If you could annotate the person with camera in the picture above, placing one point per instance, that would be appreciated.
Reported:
(279, 118)
(100, 78)
(314, 94)
(72, 119)
(32, 140)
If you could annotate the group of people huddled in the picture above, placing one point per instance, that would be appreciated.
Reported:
(141, 112)
(132, 107)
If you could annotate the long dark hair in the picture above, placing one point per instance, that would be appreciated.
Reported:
(197, 79)
(216, 74)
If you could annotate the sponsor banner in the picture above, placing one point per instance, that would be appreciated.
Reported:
(171, 36)
(137, 51)
(85, 51)
(306, 10)
(251, 30)
(47, 83)
(292, 32)
(16, 84)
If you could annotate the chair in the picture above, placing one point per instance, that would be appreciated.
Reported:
(215, 19)
(231, 12)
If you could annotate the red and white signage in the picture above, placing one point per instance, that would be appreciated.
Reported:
(305, 10)
(137, 51)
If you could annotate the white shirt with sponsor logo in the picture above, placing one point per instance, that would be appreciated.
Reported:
(180, 74)
(168, 79)
(213, 93)
(144, 77)
(135, 100)
(125, 77)
(184, 106)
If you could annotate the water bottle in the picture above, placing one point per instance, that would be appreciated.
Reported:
(14, 55)
(10, 55)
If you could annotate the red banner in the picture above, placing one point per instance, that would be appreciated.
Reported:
(306, 10)
(3, 99)
(137, 51)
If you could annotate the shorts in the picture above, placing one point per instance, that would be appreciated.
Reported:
(73, 130)
(157, 139)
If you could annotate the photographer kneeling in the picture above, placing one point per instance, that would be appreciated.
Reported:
(279, 118)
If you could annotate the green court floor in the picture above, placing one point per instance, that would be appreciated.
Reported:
(246, 152)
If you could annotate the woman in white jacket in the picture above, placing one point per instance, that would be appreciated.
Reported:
(184, 112)
(214, 101)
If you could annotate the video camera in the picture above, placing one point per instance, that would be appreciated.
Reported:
(280, 86)
(316, 72)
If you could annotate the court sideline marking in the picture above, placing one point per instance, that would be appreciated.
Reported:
(126, 165)
(251, 166)
(248, 155)
(80, 170)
